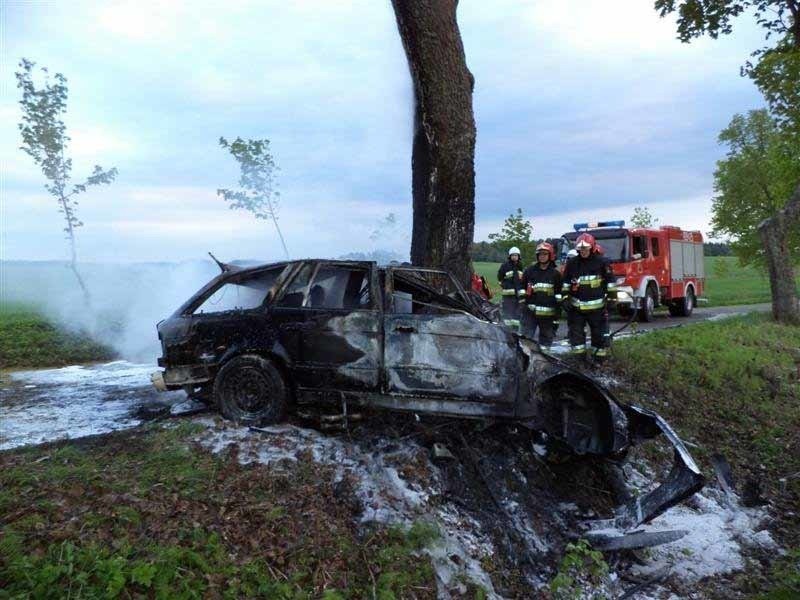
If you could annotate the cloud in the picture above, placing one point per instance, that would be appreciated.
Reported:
(579, 104)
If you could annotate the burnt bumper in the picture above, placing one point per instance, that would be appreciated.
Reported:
(177, 377)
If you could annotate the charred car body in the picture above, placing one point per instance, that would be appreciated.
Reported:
(258, 340)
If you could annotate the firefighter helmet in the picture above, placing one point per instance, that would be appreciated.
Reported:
(546, 247)
(514, 250)
(585, 240)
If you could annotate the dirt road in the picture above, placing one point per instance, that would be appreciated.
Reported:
(663, 320)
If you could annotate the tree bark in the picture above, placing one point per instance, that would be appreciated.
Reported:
(443, 154)
(774, 232)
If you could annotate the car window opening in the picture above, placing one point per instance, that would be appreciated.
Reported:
(416, 297)
(340, 288)
(245, 294)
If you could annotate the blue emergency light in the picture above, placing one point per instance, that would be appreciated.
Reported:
(579, 226)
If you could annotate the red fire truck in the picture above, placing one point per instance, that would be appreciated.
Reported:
(661, 266)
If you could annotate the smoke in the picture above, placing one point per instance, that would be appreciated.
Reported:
(127, 299)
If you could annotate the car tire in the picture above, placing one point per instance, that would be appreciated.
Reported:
(687, 303)
(250, 390)
(648, 307)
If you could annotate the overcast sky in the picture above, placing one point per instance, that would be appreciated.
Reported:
(581, 113)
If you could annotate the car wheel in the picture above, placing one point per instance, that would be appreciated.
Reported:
(648, 307)
(250, 390)
(686, 305)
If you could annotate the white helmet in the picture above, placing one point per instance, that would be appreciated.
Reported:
(514, 250)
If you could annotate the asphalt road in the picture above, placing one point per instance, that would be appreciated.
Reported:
(663, 319)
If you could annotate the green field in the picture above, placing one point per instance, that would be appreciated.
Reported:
(29, 339)
(726, 282)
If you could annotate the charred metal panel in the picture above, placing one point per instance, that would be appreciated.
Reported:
(450, 355)
(440, 406)
(683, 481)
(341, 351)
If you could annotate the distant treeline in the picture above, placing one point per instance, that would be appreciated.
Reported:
(717, 249)
(488, 252)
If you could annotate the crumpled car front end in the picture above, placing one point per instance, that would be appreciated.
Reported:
(578, 415)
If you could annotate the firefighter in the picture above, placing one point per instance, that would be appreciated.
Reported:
(510, 277)
(542, 283)
(588, 284)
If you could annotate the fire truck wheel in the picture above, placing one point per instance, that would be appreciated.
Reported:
(648, 307)
(684, 306)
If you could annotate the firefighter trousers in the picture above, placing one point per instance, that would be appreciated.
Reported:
(545, 326)
(511, 310)
(597, 320)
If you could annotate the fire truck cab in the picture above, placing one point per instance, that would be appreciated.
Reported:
(661, 266)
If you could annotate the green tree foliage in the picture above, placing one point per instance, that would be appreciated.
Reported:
(487, 252)
(642, 217)
(517, 231)
(45, 139)
(257, 194)
(753, 181)
(775, 69)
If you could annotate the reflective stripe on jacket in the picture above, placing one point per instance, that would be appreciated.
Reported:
(589, 282)
(543, 289)
(510, 277)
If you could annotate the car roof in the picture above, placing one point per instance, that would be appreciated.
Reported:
(233, 269)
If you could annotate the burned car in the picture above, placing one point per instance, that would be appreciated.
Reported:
(256, 341)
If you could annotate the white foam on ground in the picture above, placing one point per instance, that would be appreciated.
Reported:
(719, 533)
(77, 401)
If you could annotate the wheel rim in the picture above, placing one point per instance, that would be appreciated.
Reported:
(689, 301)
(649, 305)
(250, 392)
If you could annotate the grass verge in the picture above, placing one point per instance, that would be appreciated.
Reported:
(150, 514)
(731, 387)
(28, 339)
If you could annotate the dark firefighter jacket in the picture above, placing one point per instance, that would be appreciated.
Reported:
(588, 282)
(542, 290)
(510, 277)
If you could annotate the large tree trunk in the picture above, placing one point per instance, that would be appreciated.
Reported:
(443, 155)
(774, 232)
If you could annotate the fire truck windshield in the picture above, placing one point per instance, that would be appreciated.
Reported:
(614, 242)
(615, 249)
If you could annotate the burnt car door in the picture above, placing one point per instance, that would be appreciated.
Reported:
(437, 346)
(330, 318)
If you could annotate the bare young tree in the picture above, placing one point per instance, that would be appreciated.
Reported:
(257, 195)
(45, 139)
(443, 153)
